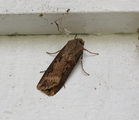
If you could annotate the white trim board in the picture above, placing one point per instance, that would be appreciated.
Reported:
(78, 23)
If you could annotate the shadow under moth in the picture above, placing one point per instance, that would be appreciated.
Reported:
(61, 67)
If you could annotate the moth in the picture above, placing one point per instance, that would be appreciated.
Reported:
(60, 68)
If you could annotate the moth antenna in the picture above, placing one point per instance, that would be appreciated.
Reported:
(91, 52)
(53, 53)
(82, 66)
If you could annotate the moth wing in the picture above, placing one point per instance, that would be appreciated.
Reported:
(53, 74)
(59, 70)
(64, 75)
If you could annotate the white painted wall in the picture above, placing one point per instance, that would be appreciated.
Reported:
(60, 6)
(111, 92)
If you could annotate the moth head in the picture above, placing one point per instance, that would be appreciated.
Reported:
(80, 41)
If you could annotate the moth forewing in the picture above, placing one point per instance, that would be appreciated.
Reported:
(61, 67)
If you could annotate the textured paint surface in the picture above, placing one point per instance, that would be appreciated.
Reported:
(54, 6)
(111, 92)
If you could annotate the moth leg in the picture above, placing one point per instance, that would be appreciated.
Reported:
(53, 53)
(91, 52)
(64, 86)
(49, 53)
(42, 71)
(82, 66)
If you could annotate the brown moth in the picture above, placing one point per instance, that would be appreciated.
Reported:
(61, 67)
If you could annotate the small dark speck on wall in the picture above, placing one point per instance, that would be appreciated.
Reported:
(41, 15)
